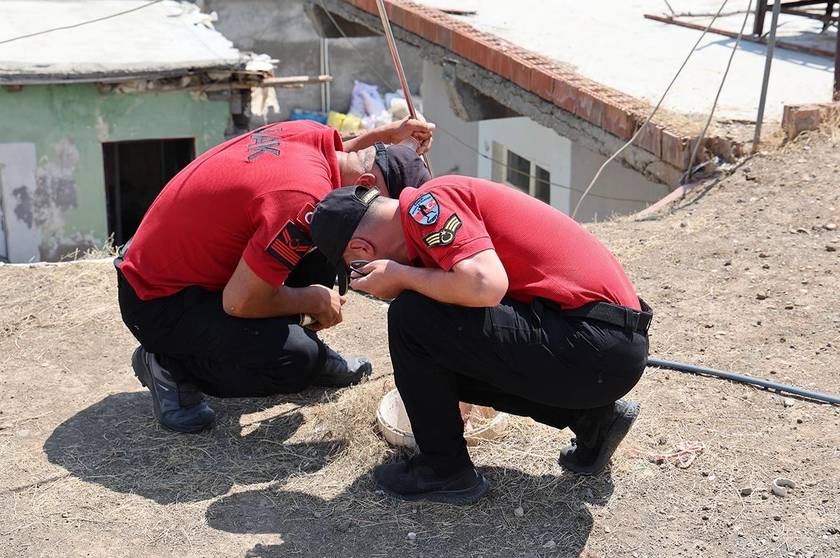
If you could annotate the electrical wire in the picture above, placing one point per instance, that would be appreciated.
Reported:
(699, 142)
(655, 110)
(45, 31)
(472, 148)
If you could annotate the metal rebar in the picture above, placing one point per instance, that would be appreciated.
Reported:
(395, 56)
(741, 378)
(771, 47)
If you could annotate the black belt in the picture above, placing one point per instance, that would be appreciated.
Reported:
(613, 314)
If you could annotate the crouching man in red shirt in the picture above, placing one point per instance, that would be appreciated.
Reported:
(222, 272)
(499, 300)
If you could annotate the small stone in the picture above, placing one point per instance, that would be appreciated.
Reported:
(830, 226)
(705, 518)
(746, 491)
(788, 402)
(830, 248)
(317, 514)
(761, 296)
(777, 518)
(550, 544)
(412, 536)
(608, 530)
(519, 512)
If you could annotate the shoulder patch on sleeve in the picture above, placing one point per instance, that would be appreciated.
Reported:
(446, 235)
(290, 245)
(425, 209)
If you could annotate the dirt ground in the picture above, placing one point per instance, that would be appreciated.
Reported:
(743, 274)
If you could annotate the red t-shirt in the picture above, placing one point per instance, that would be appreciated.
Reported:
(545, 253)
(248, 197)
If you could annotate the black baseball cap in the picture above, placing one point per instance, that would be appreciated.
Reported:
(401, 166)
(334, 222)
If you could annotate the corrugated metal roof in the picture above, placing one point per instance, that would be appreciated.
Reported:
(167, 38)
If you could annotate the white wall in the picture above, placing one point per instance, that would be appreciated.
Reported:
(17, 188)
(469, 152)
(537, 143)
(619, 190)
(448, 155)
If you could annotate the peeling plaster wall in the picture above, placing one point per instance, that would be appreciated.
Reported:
(58, 198)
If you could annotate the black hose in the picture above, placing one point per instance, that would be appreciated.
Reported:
(781, 388)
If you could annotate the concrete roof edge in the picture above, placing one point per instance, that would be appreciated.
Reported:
(607, 108)
(105, 77)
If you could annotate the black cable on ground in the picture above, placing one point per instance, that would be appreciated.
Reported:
(741, 378)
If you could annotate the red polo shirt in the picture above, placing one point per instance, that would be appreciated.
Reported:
(248, 197)
(545, 253)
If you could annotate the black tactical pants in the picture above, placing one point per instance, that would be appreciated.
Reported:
(523, 359)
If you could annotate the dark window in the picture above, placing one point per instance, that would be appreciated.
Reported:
(542, 185)
(135, 172)
(518, 171)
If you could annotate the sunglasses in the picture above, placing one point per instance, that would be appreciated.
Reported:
(355, 266)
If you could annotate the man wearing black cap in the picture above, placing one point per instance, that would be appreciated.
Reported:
(499, 300)
(221, 274)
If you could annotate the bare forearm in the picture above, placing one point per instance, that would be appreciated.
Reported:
(445, 286)
(366, 140)
(284, 301)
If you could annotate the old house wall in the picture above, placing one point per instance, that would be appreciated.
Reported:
(285, 32)
(51, 162)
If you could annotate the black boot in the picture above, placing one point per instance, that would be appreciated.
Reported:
(412, 480)
(601, 433)
(177, 406)
(340, 372)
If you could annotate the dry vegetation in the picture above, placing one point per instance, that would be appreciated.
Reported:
(740, 275)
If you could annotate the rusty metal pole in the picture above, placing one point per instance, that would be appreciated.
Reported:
(771, 47)
(837, 67)
(395, 56)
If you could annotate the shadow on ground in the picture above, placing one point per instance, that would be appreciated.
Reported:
(118, 444)
(362, 522)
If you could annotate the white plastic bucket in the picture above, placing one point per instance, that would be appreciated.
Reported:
(489, 424)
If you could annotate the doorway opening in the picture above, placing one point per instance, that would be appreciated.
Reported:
(135, 172)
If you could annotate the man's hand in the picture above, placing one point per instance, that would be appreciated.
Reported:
(407, 127)
(329, 314)
(381, 278)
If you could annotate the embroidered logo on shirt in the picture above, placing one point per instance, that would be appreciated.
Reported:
(425, 210)
(446, 235)
(304, 217)
(263, 143)
(290, 245)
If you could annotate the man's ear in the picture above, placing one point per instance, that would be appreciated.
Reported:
(367, 179)
(359, 249)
